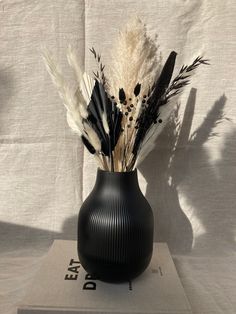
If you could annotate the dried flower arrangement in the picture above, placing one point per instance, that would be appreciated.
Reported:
(119, 119)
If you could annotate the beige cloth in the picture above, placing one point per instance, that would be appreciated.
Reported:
(45, 173)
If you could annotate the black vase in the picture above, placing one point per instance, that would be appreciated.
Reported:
(115, 228)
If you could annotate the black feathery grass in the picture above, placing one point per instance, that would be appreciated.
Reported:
(182, 79)
(99, 75)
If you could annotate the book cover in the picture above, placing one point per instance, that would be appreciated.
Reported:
(63, 286)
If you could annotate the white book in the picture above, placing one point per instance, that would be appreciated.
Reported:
(62, 286)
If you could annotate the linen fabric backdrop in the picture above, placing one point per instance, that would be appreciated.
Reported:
(189, 179)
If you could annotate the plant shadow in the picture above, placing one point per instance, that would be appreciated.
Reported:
(178, 159)
(169, 164)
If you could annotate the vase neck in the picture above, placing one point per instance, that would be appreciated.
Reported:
(121, 180)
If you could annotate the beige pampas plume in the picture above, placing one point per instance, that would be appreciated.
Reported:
(135, 64)
(135, 59)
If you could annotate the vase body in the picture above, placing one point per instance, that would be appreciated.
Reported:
(115, 228)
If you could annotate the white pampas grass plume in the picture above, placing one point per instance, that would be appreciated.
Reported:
(74, 63)
(92, 137)
(135, 59)
(85, 82)
(58, 79)
(156, 129)
(73, 125)
(100, 162)
(104, 122)
(74, 102)
(56, 75)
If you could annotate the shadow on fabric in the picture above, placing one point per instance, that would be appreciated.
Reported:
(167, 166)
(15, 237)
(179, 157)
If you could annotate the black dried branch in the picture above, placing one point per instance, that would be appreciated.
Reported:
(96, 75)
(182, 79)
(93, 52)
(199, 60)
(102, 67)
(100, 74)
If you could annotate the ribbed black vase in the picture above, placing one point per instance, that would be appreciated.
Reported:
(115, 228)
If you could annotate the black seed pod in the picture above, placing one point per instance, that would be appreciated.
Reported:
(137, 89)
(122, 96)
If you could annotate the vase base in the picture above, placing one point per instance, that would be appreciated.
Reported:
(114, 272)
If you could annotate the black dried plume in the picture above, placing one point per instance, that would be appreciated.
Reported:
(150, 114)
(99, 103)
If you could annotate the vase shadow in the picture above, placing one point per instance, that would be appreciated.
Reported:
(212, 198)
(168, 165)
